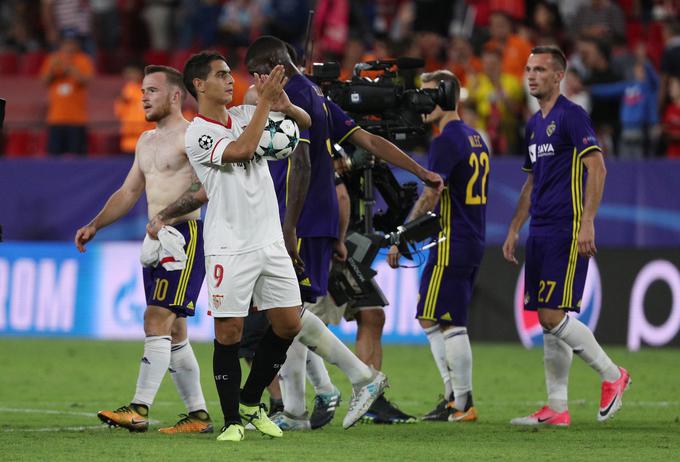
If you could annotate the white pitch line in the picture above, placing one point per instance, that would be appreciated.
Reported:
(55, 429)
(57, 412)
(46, 411)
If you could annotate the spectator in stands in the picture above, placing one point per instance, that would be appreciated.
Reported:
(60, 16)
(287, 19)
(197, 23)
(547, 27)
(601, 19)
(239, 21)
(129, 110)
(19, 23)
(639, 113)
(595, 56)
(670, 59)
(430, 47)
(158, 15)
(498, 98)
(575, 90)
(67, 73)
(671, 119)
(106, 25)
(515, 48)
(462, 60)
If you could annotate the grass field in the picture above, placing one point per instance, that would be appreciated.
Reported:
(50, 391)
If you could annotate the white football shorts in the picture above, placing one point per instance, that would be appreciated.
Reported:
(264, 275)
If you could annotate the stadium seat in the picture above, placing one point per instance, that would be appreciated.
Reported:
(103, 142)
(179, 58)
(157, 57)
(30, 63)
(9, 63)
(24, 143)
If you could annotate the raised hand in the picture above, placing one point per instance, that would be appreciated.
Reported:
(270, 87)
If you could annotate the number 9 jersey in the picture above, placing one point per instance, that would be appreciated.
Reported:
(461, 157)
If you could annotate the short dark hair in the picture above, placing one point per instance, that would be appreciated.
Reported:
(444, 74)
(266, 46)
(557, 55)
(172, 75)
(198, 67)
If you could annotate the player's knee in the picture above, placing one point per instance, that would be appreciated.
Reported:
(157, 321)
(179, 331)
(550, 319)
(288, 329)
(228, 331)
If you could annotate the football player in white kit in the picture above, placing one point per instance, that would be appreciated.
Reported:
(245, 254)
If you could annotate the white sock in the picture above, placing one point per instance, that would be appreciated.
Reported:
(318, 374)
(320, 340)
(557, 356)
(292, 379)
(459, 360)
(154, 363)
(186, 374)
(582, 341)
(436, 339)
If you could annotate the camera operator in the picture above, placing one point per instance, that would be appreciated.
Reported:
(461, 157)
(316, 229)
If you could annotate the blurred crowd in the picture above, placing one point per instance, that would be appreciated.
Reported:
(624, 56)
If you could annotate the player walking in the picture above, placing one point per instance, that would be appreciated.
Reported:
(161, 168)
(561, 142)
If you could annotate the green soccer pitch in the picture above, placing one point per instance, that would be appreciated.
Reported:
(51, 389)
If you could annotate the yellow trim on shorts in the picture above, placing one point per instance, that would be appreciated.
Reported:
(444, 249)
(299, 244)
(348, 134)
(433, 292)
(186, 272)
(304, 140)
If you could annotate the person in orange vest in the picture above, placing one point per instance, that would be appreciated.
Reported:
(67, 73)
(129, 111)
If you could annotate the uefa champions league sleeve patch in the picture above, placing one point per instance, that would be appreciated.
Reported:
(205, 141)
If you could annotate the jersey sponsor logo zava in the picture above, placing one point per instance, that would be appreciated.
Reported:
(529, 328)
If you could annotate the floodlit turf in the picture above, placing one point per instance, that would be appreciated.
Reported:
(50, 391)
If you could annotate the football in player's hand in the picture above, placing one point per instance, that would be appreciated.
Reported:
(280, 137)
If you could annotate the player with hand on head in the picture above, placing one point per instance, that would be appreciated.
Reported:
(162, 170)
(252, 244)
(562, 199)
(461, 157)
(245, 255)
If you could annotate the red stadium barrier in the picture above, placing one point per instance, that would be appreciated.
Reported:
(30, 63)
(9, 63)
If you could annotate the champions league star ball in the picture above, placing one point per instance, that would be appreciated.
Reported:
(280, 137)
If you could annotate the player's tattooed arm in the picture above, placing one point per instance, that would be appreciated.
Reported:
(426, 203)
(193, 198)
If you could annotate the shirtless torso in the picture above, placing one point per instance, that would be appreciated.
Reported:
(165, 168)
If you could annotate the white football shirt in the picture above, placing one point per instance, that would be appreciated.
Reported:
(243, 213)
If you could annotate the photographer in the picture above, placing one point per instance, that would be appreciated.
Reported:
(314, 226)
(461, 157)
